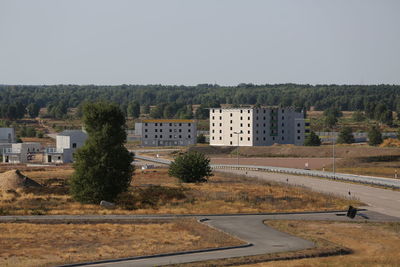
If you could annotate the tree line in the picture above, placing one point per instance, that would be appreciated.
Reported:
(17, 101)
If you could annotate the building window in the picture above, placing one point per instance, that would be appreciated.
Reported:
(161, 124)
(248, 138)
(145, 124)
(180, 124)
(189, 136)
(180, 136)
(241, 125)
(213, 117)
(264, 113)
(283, 117)
(220, 111)
(241, 138)
(145, 136)
(189, 130)
(230, 135)
(248, 132)
(156, 124)
(156, 130)
(257, 132)
(170, 124)
(257, 125)
(220, 138)
(257, 118)
(241, 111)
(241, 118)
(248, 118)
(170, 136)
(213, 124)
(212, 138)
(264, 124)
(170, 130)
(298, 137)
(213, 111)
(248, 125)
(298, 125)
(248, 111)
(220, 117)
(160, 130)
(155, 136)
(257, 112)
(283, 124)
(283, 131)
(273, 138)
(231, 128)
(263, 118)
(231, 142)
(256, 138)
(220, 131)
(264, 138)
(264, 132)
(298, 131)
(231, 115)
(73, 146)
(213, 131)
(180, 130)
(283, 111)
(307, 130)
(189, 124)
(220, 124)
(145, 130)
(231, 121)
(160, 135)
(283, 138)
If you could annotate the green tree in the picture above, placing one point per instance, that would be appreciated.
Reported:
(374, 136)
(134, 109)
(358, 116)
(102, 166)
(146, 109)
(33, 110)
(312, 140)
(346, 136)
(330, 121)
(191, 167)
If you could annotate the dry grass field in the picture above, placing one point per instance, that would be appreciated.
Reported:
(153, 191)
(26, 244)
(373, 244)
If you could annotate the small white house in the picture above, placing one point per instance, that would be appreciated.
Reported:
(66, 144)
(21, 152)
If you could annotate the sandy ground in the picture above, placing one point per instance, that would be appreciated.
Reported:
(313, 163)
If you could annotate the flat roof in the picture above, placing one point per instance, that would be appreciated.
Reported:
(169, 121)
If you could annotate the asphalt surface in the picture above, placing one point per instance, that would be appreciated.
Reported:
(260, 238)
(384, 201)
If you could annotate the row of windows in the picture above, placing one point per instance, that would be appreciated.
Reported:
(257, 111)
(257, 139)
(160, 136)
(170, 124)
(170, 130)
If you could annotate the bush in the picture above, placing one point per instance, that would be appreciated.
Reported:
(312, 140)
(374, 136)
(201, 139)
(191, 167)
(346, 136)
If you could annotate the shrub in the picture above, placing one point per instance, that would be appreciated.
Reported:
(312, 140)
(374, 136)
(191, 167)
(346, 136)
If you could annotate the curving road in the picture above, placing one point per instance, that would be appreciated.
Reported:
(260, 238)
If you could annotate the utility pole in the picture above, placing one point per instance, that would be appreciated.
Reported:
(333, 154)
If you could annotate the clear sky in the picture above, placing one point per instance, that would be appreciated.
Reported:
(199, 41)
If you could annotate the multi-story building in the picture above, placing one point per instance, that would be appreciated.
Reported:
(257, 126)
(166, 132)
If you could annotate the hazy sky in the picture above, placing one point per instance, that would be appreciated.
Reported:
(199, 41)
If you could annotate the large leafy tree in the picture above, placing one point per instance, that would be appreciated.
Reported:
(346, 136)
(103, 166)
(191, 167)
(134, 109)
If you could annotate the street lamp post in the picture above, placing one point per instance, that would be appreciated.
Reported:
(237, 152)
(333, 153)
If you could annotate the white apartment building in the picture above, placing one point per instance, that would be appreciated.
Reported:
(257, 126)
(165, 132)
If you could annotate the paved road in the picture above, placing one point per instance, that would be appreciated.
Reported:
(385, 201)
(249, 228)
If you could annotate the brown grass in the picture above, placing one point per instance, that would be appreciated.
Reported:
(373, 244)
(153, 191)
(26, 244)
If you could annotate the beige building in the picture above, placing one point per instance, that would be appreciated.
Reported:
(256, 126)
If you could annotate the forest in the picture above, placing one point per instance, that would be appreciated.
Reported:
(17, 101)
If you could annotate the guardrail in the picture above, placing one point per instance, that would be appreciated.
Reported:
(380, 181)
